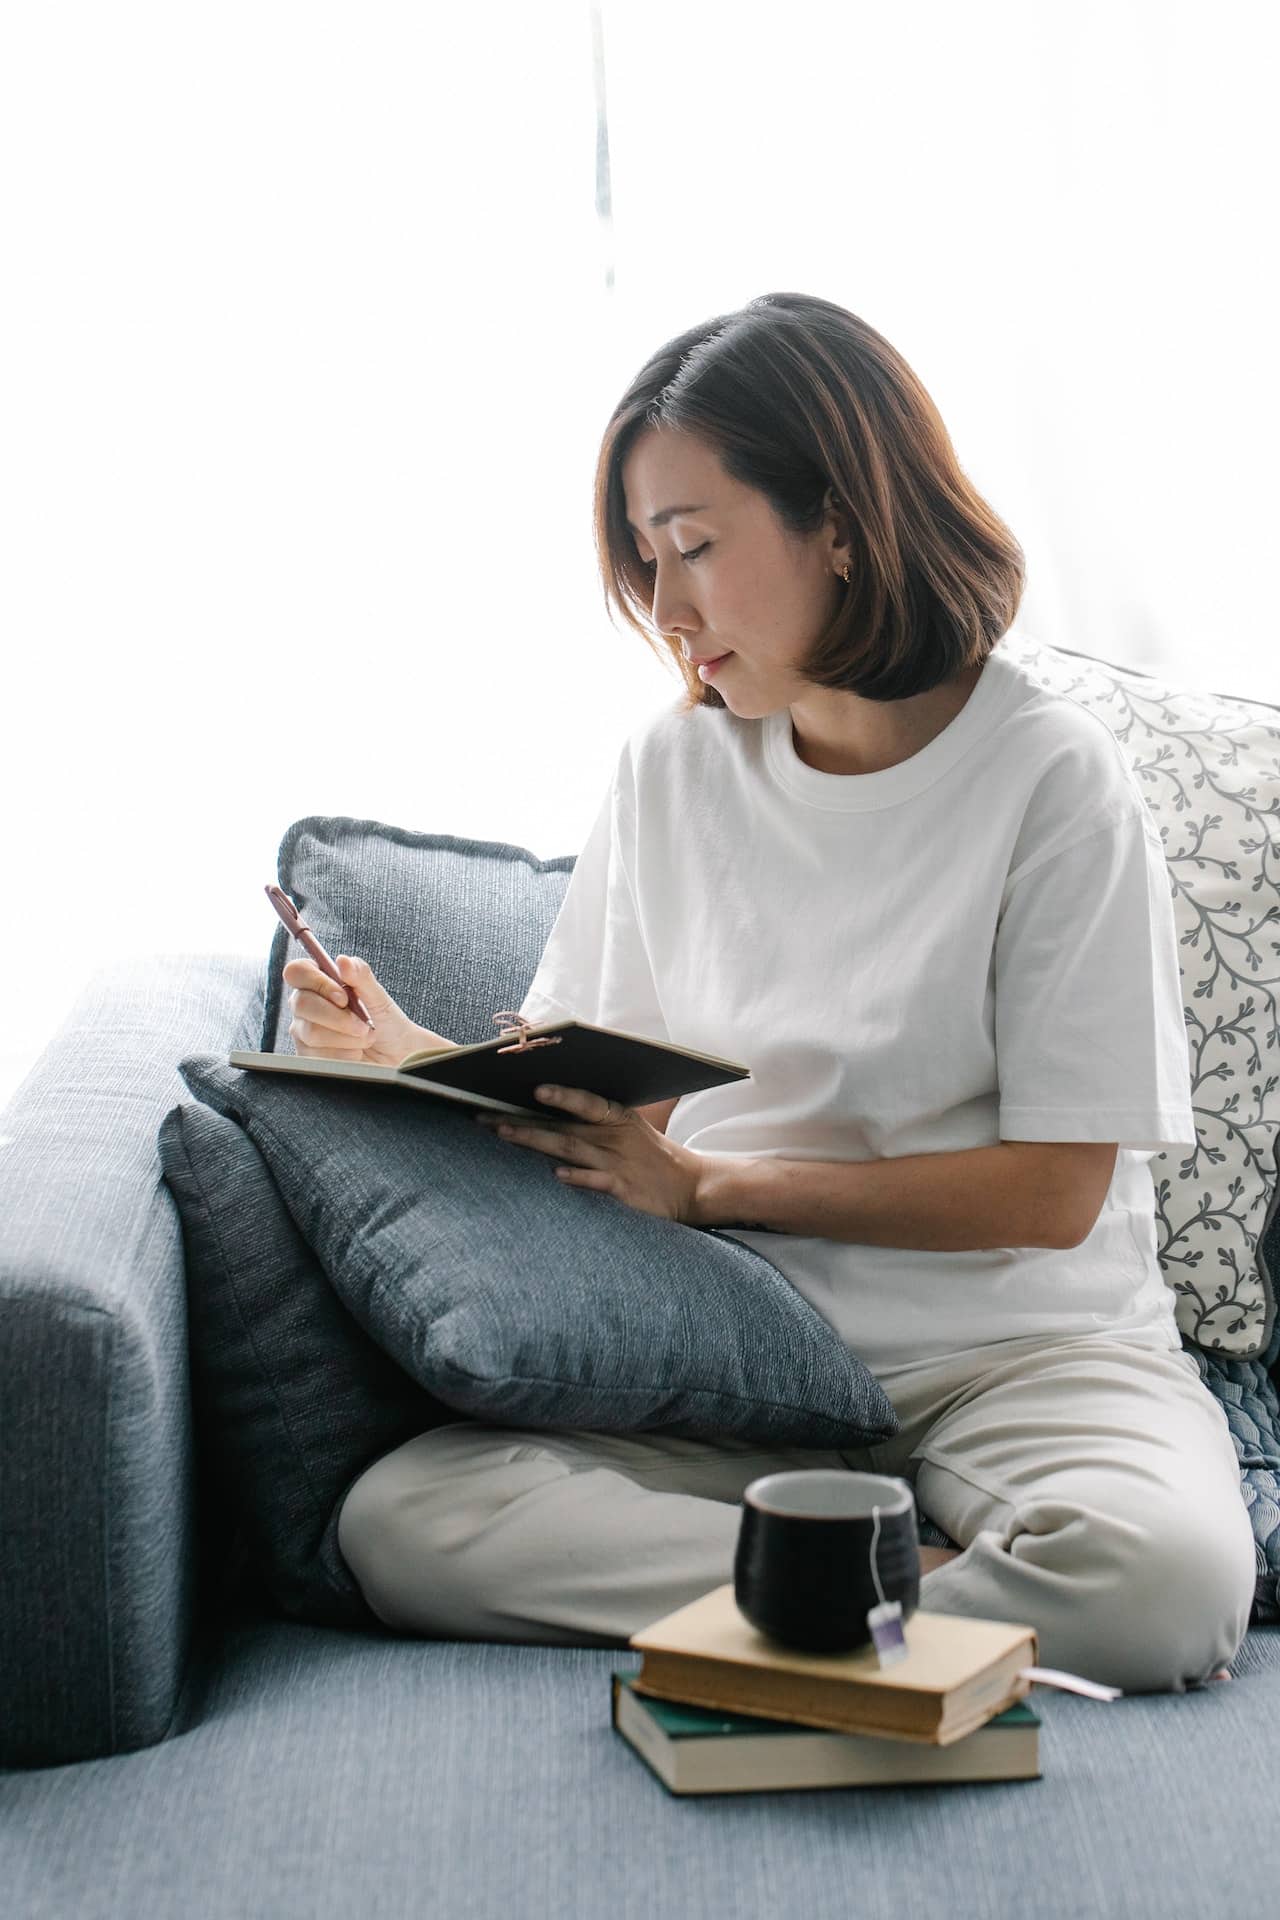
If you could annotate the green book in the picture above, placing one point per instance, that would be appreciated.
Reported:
(699, 1750)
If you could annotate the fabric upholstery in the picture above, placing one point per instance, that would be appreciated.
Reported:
(98, 1536)
(518, 1300)
(1209, 766)
(292, 1400)
(320, 1773)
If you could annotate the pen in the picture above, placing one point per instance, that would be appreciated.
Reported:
(303, 934)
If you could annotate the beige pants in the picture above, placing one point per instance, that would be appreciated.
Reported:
(1093, 1485)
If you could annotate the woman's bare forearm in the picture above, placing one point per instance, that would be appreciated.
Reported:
(995, 1196)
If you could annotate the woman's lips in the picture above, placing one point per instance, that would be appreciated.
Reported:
(709, 667)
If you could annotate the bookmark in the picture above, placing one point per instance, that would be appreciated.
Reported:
(1070, 1683)
(516, 1023)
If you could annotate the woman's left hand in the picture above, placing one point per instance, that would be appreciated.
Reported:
(610, 1148)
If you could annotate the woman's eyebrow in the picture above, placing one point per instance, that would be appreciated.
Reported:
(668, 513)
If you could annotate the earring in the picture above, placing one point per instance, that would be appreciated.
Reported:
(846, 573)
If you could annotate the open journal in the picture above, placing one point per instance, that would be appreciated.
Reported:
(502, 1073)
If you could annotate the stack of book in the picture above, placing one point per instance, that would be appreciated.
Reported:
(718, 1708)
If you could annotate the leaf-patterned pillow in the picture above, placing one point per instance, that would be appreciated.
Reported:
(1209, 767)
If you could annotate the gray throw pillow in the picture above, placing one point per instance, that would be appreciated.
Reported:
(518, 1300)
(291, 1400)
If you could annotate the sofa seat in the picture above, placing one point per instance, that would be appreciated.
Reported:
(318, 1772)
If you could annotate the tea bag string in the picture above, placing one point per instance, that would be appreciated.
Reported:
(875, 1569)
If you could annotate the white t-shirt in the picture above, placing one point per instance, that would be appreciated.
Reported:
(974, 945)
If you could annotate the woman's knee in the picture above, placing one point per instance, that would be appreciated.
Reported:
(1167, 1593)
(405, 1524)
(1193, 1585)
(488, 1533)
(365, 1524)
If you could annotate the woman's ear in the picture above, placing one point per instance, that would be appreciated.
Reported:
(838, 527)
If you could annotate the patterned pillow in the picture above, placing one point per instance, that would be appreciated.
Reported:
(1210, 771)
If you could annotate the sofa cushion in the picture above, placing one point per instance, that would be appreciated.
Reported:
(520, 1300)
(291, 1399)
(1210, 771)
(415, 1779)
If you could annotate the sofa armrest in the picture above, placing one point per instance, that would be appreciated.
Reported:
(97, 1527)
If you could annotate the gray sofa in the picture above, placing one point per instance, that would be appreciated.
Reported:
(171, 1744)
(174, 1746)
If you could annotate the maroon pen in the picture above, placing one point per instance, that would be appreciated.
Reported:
(302, 933)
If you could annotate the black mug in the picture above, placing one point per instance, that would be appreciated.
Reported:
(818, 1549)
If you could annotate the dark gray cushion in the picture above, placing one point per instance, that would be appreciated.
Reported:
(519, 1300)
(291, 1400)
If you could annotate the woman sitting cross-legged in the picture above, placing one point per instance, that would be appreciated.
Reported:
(868, 852)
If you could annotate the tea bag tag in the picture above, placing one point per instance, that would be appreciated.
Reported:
(885, 1622)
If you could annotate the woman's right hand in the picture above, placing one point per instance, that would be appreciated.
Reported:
(321, 1028)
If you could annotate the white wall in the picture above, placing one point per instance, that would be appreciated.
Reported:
(307, 345)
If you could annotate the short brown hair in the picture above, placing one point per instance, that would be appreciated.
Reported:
(797, 395)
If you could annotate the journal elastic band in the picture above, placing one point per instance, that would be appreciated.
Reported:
(516, 1023)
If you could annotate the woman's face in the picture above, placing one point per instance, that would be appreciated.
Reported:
(727, 576)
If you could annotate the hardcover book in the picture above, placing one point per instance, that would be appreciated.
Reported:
(697, 1750)
(958, 1673)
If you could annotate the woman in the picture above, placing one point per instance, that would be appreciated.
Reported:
(924, 898)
